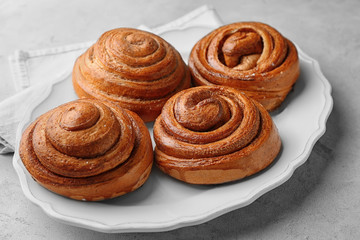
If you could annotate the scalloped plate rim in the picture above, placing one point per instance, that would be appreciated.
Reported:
(189, 220)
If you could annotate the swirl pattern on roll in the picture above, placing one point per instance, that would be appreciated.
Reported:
(214, 134)
(250, 56)
(88, 150)
(136, 69)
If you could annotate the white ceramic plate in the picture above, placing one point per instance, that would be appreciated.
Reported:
(164, 203)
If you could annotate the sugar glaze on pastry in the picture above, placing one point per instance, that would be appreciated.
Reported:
(135, 69)
(250, 56)
(214, 134)
(88, 150)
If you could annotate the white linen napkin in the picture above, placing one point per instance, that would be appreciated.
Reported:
(32, 71)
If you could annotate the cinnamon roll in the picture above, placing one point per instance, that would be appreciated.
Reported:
(137, 70)
(250, 56)
(214, 134)
(88, 150)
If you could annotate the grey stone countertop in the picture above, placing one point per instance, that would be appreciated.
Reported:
(322, 198)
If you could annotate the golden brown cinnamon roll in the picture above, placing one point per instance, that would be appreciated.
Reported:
(250, 56)
(88, 150)
(214, 134)
(136, 69)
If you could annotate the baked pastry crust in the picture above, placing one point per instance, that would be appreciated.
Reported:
(88, 150)
(250, 56)
(137, 70)
(214, 134)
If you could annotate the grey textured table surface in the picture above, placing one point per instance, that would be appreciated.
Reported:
(320, 201)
